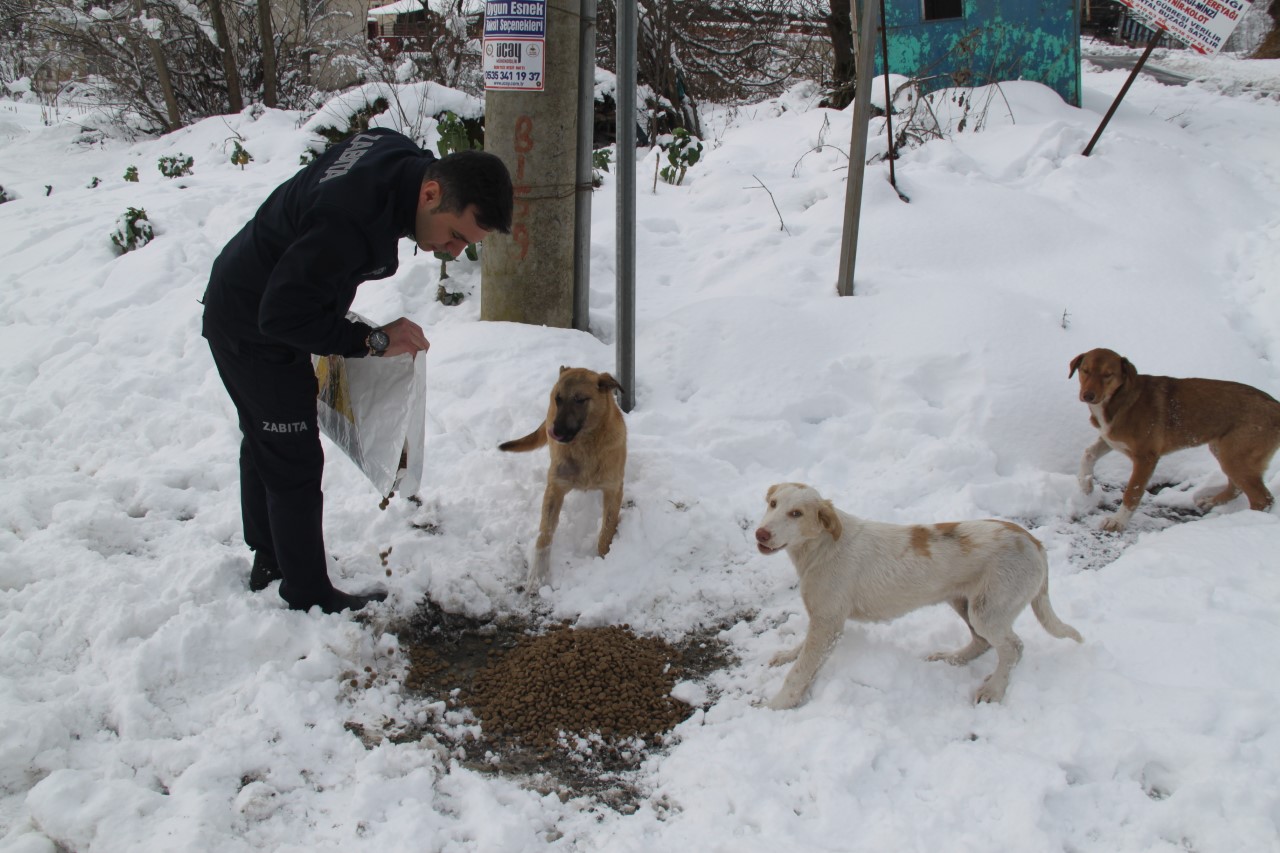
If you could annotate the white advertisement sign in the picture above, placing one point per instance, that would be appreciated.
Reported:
(1203, 24)
(515, 40)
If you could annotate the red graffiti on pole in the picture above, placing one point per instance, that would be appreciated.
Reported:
(524, 145)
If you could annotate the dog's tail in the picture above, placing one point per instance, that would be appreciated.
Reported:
(532, 441)
(1044, 612)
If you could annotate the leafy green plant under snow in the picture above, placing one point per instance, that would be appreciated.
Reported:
(239, 156)
(683, 150)
(454, 136)
(133, 230)
(176, 166)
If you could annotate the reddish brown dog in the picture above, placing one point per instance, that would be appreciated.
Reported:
(588, 443)
(1145, 417)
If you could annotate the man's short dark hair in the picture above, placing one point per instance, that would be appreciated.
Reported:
(479, 178)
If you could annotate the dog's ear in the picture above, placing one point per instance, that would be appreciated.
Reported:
(1128, 370)
(605, 382)
(1075, 365)
(563, 368)
(830, 520)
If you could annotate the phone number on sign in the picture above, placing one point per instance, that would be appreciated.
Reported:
(501, 76)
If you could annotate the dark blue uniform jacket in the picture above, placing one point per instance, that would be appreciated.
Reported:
(281, 288)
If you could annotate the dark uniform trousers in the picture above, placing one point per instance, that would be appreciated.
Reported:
(281, 465)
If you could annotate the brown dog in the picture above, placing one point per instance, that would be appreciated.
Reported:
(1146, 417)
(588, 442)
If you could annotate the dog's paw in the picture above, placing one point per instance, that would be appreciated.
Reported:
(1086, 483)
(1115, 523)
(946, 657)
(1213, 500)
(785, 656)
(989, 692)
(785, 700)
(539, 570)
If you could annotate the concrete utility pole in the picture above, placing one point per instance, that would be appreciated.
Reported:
(528, 275)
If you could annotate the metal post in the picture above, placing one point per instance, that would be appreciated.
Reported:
(626, 224)
(586, 138)
(888, 101)
(1151, 45)
(868, 25)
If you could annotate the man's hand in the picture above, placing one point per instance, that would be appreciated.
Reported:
(405, 336)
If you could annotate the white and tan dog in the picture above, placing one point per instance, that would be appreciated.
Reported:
(849, 568)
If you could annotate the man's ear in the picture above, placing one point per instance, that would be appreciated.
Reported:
(428, 195)
(1075, 365)
(830, 520)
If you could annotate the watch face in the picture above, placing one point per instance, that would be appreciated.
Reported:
(379, 341)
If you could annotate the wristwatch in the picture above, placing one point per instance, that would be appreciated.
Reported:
(377, 342)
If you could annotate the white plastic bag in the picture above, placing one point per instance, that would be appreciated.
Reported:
(375, 410)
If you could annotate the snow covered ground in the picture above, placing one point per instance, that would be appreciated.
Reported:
(1222, 73)
(148, 701)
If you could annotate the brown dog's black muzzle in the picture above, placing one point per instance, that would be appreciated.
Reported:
(567, 424)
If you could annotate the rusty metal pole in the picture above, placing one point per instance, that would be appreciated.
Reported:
(888, 101)
(1151, 45)
(888, 95)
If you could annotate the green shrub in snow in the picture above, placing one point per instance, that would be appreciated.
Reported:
(133, 231)
(683, 150)
(175, 167)
(239, 156)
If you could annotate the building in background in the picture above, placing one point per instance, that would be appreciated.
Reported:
(974, 42)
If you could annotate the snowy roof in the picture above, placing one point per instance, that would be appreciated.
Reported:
(440, 7)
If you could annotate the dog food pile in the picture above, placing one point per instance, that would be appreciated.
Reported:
(579, 681)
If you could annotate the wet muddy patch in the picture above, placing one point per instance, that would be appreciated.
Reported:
(567, 710)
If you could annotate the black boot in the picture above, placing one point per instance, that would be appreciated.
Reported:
(338, 601)
(264, 571)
